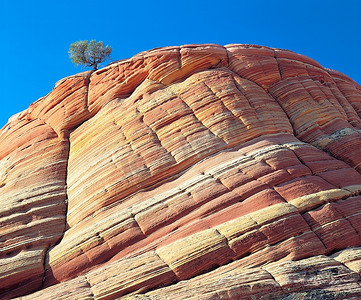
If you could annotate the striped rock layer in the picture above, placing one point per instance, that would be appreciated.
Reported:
(192, 172)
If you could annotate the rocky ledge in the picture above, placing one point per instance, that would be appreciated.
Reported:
(192, 172)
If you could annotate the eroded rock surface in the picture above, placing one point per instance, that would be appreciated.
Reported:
(192, 172)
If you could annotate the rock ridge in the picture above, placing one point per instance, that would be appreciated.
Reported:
(216, 171)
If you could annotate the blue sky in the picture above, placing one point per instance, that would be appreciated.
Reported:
(35, 35)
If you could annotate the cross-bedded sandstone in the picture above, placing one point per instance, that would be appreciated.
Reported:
(195, 171)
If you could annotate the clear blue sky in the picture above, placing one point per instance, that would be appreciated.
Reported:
(35, 35)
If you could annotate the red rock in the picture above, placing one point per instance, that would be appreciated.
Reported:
(187, 172)
(66, 106)
(298, 187)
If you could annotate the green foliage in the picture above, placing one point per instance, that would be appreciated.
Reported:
(90, 54)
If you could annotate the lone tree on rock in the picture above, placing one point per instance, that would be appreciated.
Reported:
(90, 54)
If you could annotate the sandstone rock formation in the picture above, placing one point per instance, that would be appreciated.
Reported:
(192, 172)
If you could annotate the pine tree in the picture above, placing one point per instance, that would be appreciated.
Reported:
(90, 54)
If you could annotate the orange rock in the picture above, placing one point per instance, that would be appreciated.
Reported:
(65, 107)
(190, 172)
(33, 202)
